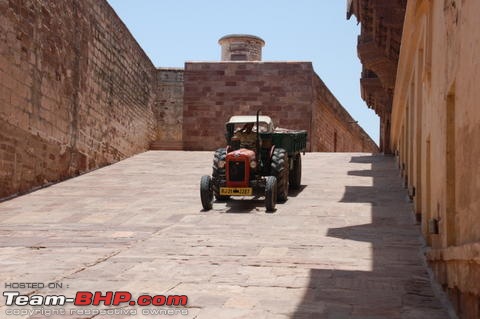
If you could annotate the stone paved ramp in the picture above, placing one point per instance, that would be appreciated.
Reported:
(345, 246)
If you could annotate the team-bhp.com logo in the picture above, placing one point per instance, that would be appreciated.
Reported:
(86, 298)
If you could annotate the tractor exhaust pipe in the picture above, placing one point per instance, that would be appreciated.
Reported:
(258, 139)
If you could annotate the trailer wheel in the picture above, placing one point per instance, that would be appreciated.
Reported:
(296, 173)
(279, 169)
(270, 193)
(218, 173)
(206, 193)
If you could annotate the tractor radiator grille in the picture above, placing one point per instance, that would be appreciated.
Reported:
(236, 171)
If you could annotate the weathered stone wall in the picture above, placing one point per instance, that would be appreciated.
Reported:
(378, 48)
(290, 92)
(334, 130)
(76, 91)
(436, 134)
(217, 90)
(168, 109)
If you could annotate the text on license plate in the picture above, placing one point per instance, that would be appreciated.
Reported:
(236, 191)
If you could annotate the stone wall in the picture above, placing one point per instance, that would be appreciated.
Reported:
(289, 92)
(334, 130)
(214, 91)
(76, 91)
(436, 133)
(378, 48)
(168, 109)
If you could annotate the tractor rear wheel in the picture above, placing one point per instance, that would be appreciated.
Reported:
(296, 173)
(270, 193)
(279, 169)
(206, 193)
(218, 173)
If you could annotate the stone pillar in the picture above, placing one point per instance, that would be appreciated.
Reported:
(241, 47)
(385, 146)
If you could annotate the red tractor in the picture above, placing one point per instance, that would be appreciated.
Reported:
(258, 161)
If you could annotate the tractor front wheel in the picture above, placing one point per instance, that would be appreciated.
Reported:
(218, 173)
(270, 193)
(206, 192)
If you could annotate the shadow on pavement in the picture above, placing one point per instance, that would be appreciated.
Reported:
(398, 285)
(244, 205)
(247, 205)
(296, 192)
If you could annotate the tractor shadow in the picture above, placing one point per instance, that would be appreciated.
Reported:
(296, 192)
(245, 205)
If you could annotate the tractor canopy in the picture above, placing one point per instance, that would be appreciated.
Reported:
(266, 122)
(237, 121)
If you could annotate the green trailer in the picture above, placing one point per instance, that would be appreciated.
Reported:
(291, 141)
(294, 143)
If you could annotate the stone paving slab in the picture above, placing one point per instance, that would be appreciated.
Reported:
(345, 246)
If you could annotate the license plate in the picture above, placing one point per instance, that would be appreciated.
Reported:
(236, 191)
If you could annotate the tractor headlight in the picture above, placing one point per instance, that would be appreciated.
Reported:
(253, 164)
(221, 164)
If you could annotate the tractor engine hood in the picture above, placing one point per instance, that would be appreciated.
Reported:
(238, 167)
(241, 153)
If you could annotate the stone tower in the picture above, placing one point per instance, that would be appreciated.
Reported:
(241, 47)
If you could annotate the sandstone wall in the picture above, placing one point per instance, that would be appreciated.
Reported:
(436, 133)
(334, 130)
(378, 47)
(214, 91)
(76, 91)
(168, 109)
(290, 92)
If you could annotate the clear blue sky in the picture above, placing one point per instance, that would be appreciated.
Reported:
(174, 31)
